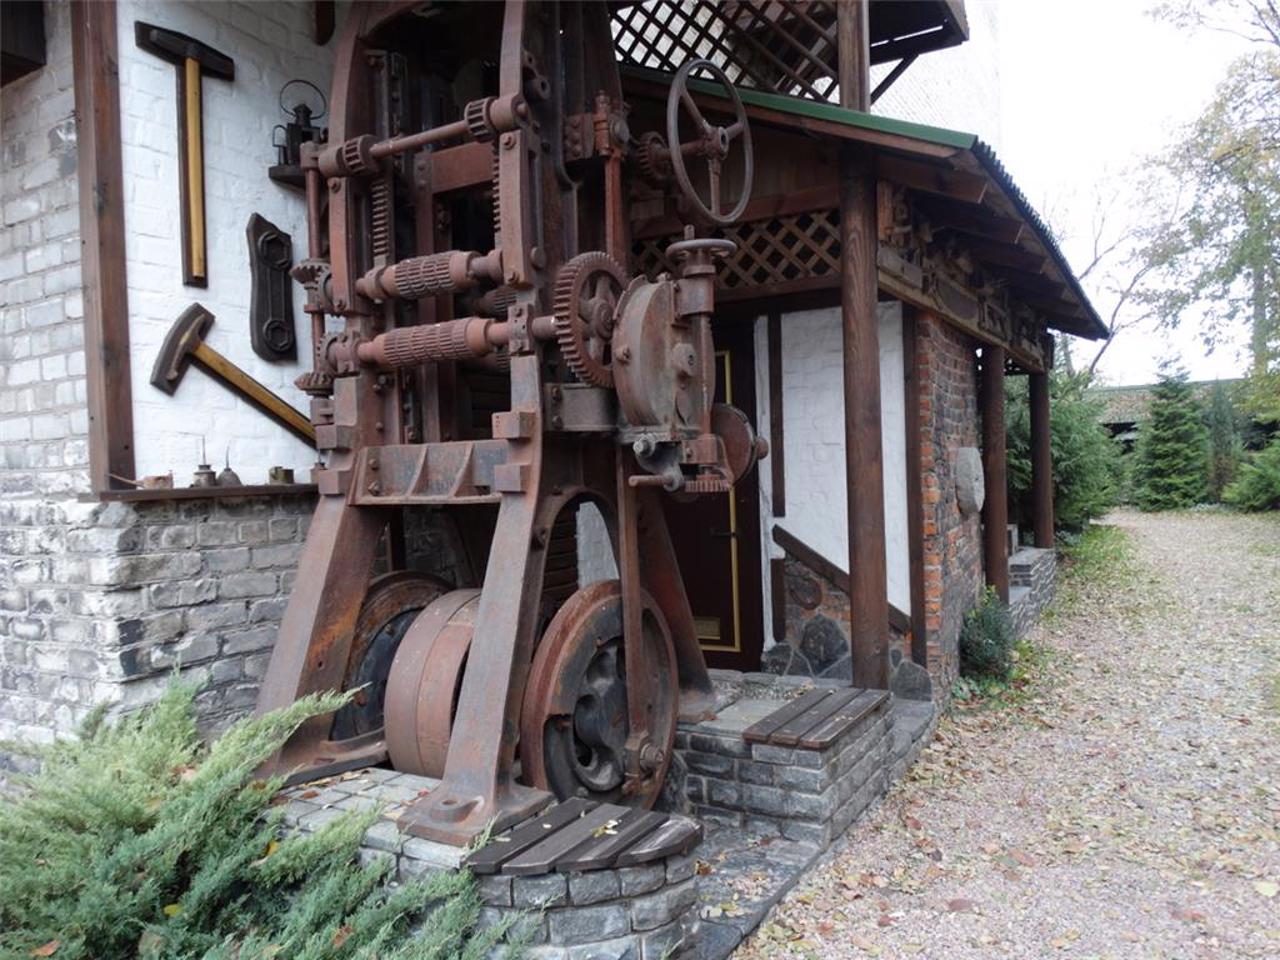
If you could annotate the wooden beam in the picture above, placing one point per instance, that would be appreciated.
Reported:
(1041, 459)
(457, 168)
(102, 262)
(864, 466)
(1037, 284)
(821, 197)
(1005, 255)
(931, 178)
(995, 509)
(944, 214)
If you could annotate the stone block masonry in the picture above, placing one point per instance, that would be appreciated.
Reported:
(1032, 574)
(645, 912)
(103, 602)
(793, 792)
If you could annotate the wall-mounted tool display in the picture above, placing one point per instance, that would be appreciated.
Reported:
(194, 61)
(185, 344)
(301, 128)
(500, 361)
(271, 291)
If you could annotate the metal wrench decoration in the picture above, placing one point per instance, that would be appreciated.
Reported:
(499, 363)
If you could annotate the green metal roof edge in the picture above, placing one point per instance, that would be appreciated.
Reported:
(853, 118)
(798, 106)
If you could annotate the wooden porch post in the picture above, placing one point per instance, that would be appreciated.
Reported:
(1041, 459)
(995, 509)
(864, 468)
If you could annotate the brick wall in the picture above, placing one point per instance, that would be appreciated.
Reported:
(102, 602)
(43, 421)
(947, 378)
(271, 44)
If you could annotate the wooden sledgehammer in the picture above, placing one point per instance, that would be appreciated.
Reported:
(185, 345)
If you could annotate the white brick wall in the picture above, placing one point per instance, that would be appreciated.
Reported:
(957, 88)
(813, 431)
(270, 44)
(43, 422)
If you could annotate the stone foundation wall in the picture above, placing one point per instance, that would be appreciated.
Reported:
(800, 794)
(642, 913)
(1032, 575)
(816, 643)
(102, 602)
(947, 378)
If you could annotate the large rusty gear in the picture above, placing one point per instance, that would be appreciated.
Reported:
(586, 298)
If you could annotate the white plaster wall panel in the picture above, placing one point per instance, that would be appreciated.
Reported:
(595, 552)
(958, 87)
(893, 427)
(813, 429)
(768, 549)
(270, 44)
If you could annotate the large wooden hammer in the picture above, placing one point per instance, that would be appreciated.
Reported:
(194, 60)
(185, 345)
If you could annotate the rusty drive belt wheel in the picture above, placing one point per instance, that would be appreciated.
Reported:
(390, 605)
(575, 725)
(426, 677)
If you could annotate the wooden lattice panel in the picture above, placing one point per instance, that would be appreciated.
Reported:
(781, 47)
(772, 251)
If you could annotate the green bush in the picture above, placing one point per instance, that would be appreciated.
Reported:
(1087, 468)
(136, 841)
(1258, 484)
(1171, 471)
(987, 640)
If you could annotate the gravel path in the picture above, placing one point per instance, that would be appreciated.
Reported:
(1127, 806)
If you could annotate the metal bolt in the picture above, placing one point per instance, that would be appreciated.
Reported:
(335, 185)
(379, 426)
(557, 422)
(623, 355)
(374, 463)
(508, 141)
(375, 488)
(537, 257)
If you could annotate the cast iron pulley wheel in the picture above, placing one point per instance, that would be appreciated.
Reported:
(390, 605)
(575, 724)
(586, 298)
(426, 678)
(712, 143)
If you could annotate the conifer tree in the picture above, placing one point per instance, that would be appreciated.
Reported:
(1172, 469)
(1226, 448)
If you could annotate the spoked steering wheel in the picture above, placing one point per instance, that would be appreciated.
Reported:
(713, 144)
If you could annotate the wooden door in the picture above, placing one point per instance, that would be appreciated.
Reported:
(717, 536)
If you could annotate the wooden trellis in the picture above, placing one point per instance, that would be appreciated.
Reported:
(787, 48)
(775, 253)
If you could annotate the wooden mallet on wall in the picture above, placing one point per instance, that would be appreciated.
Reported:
(194, 60)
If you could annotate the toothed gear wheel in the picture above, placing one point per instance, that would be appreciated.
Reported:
(654, 168)
(587, 291)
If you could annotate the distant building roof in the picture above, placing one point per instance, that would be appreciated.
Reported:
(1128, 405)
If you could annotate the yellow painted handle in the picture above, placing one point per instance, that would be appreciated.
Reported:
(242, 383)
(195, 168)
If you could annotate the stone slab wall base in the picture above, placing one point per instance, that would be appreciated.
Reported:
(1032, 575)
(627, 913)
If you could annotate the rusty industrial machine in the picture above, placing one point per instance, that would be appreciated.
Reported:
(481, 348)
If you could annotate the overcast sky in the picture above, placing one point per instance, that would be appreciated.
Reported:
(1088, 87)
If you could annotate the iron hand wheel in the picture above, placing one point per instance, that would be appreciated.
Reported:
(713, 143)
